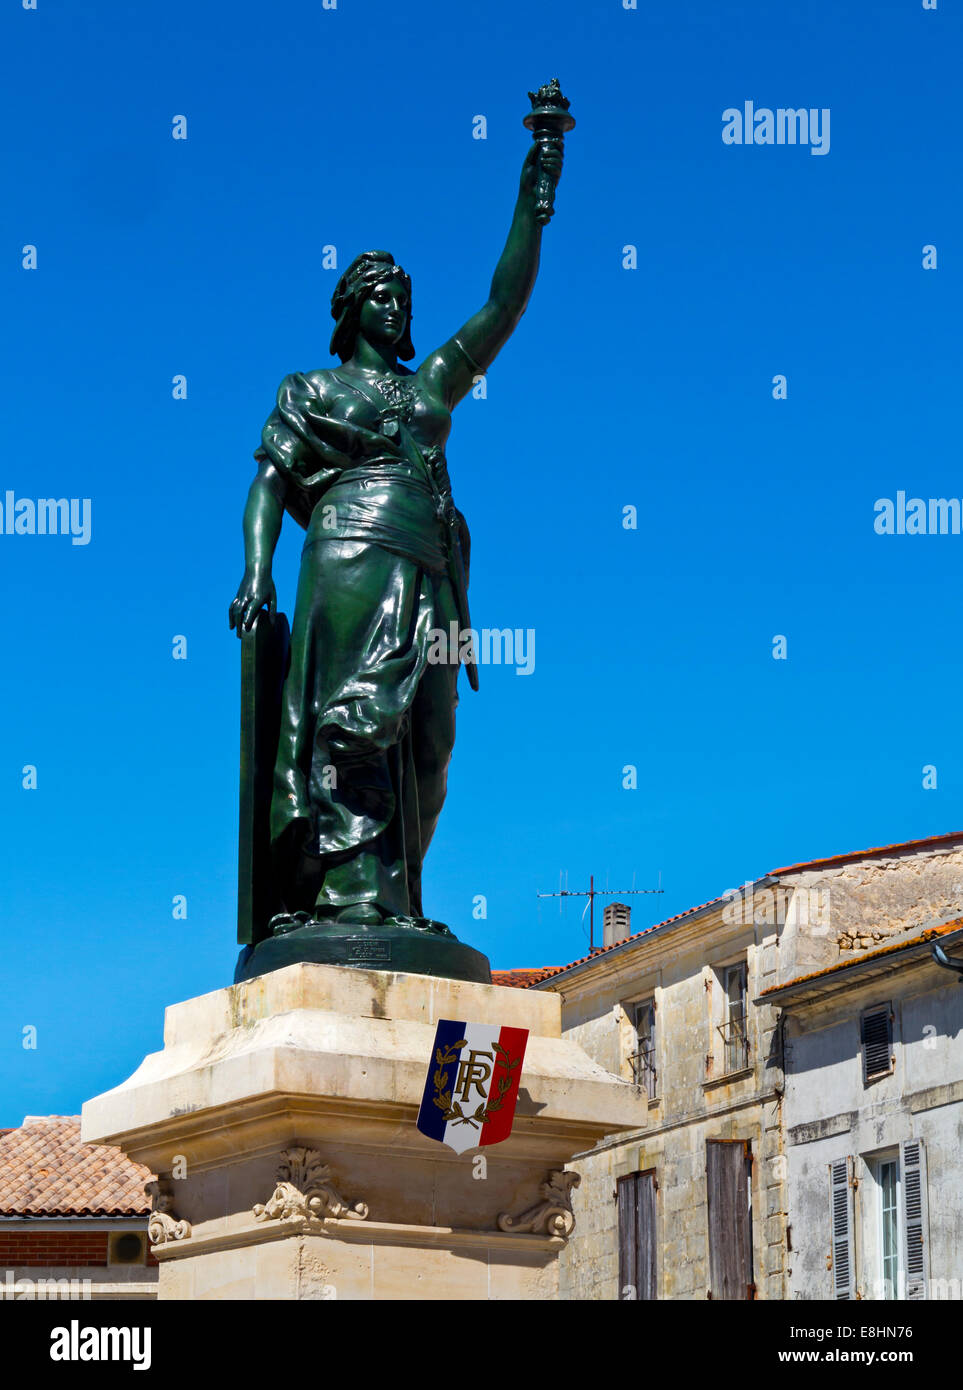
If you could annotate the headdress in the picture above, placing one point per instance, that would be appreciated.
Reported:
(365, 271)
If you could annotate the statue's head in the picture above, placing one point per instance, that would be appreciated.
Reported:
(372, 297)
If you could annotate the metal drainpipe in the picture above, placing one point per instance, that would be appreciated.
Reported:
(947, 962)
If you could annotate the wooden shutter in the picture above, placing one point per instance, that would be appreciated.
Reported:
(637, 1233)
(728, 1168)
(912, 1161)
(876, 1036)
(841, 1206)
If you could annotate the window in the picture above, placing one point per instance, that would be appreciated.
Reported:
(635, 1195)
(643, 1058)
(729, 1189)
(876, 1040)
(888, 1188)
(893, 1247)
(733, 1028)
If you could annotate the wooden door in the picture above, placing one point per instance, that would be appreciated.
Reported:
(728, 1179)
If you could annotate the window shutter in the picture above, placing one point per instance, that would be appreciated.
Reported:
(646, 1236)
(877, 1041)
(841, 1198)
(637, 1235)
(628, 1237)
(728, 1191)
(912, 1157)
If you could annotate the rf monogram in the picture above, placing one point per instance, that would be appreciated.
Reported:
(472, 1072)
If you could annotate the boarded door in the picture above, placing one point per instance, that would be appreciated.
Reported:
(636, 1199)
(728, 1177)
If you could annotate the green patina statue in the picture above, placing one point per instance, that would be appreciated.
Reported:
(348, 727)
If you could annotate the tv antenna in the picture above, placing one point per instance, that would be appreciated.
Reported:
(592, 893)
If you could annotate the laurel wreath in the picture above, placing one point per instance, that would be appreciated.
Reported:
(442, 1097)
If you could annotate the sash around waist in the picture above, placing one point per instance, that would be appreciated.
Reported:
(376, 472)
(390, 506)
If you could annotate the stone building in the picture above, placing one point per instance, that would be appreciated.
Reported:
(73, 1216)
(696, 1204)
(873, 1111)
(693, 1203)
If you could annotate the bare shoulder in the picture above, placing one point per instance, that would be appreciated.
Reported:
(322, 381)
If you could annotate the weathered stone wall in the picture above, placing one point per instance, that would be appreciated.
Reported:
(588, 1266)
(870, 901)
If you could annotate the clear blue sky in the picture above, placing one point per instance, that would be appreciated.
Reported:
(649, 387)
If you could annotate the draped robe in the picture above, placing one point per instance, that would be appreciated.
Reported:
(367, 722)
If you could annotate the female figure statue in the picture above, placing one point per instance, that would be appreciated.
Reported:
(355, 454)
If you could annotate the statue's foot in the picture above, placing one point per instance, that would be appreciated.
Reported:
(361, 915)
(426, 924)
(356, 915)
(283, 922)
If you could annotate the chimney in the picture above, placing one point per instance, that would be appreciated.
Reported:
(616, 923)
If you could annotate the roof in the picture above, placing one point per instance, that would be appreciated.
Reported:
(45, 1170)
(921, 938)
(855, 854)
(526, 979)
(521, 978)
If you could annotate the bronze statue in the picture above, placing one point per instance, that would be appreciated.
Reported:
(356, 455)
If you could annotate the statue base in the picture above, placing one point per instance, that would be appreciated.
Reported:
(402, 949)
(280, 1118)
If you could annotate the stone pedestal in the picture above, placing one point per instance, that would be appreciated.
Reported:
(280, 1120)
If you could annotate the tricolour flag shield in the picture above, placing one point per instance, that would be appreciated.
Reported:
(472, 1084)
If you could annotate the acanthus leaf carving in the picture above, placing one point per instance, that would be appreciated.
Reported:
(305, 1188)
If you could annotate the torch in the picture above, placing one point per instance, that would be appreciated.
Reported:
(548, 121)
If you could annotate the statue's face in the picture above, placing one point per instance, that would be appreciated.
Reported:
(384, 314)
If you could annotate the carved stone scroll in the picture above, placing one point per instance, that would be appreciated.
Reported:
(163, 1225)
(552, 1216)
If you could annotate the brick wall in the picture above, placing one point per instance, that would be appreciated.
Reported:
(52, 1249)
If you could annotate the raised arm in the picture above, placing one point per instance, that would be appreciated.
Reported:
(451, 368)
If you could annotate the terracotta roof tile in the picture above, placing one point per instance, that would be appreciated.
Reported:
(928, 934)
(45, 1170)
(865, 853)
(521, 978)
